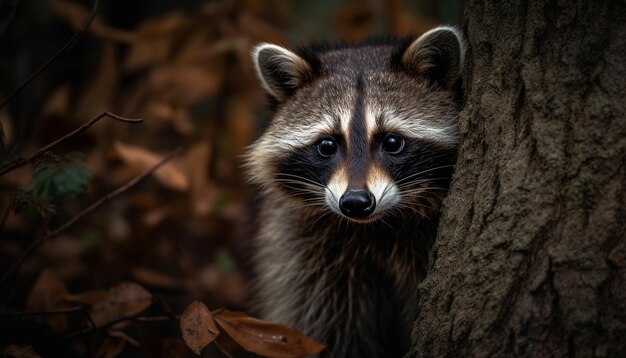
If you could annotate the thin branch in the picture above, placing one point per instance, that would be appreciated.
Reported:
(41, 313)
(222, 349)
(10, 18)
(18, 162)
(65, 47)
(82, 214)
(118, 320)
(5, 214)
(76, 309)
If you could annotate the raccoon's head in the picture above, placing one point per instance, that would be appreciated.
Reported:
(366, 131)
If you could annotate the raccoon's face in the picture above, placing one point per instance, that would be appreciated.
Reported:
(366, 132)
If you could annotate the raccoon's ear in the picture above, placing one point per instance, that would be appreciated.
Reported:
(438, 55)
(280, 70)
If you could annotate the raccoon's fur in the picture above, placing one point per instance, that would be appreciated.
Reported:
(352, 171)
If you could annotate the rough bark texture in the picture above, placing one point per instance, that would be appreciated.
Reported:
(531, 255)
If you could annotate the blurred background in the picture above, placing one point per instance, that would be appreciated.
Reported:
(184, 67)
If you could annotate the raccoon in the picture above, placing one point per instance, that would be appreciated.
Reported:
(352, 171)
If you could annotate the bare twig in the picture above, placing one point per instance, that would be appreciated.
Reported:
(107, 325)
(76, 309)
(65, 47)
(41, 313)
(222, 349)
(10, 18)
(82, 214)
(18, 162)
(5, 214)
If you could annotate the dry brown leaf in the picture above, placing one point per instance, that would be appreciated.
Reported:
(155, 40)
(354, 20)
(155, 216)
(98, 96)
(265, 338)
(14, 351)
(157, 279)
(257, 29)
(111, 347)
(195, 164)
(142, 159)
(76, 14)
(402, 21)
(165, 347)
(88, 298)
(242, 120)
(198, 326)
(123, 336)
(228, 286)
(48, 293)
(184, 85)
(125, 299)
(58, 103)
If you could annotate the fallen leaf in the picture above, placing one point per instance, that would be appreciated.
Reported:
(123, 336)
(354, 20)
(98, 95)
(88, 298)
(258, 30)
(58, 103)
(183, 85)
(49, 293)
(198, 326)
(266, 338)
(142, 159)
(14, 351)
(155, 216)
(155, 41)
(111, 347)
(165, 347)
(228, 286)
(125, 299)
(157, 279)
(76, 15)
(195, 163)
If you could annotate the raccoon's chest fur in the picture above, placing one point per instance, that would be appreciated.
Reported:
(353, 288)
(352, 171)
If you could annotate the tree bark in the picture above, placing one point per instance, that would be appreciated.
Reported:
(531, 256)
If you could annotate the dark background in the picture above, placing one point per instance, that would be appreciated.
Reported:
(184, 67)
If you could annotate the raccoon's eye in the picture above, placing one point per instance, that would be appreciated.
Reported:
(393, 144)
(327, 147)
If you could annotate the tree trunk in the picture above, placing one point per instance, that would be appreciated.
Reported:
(531, 256)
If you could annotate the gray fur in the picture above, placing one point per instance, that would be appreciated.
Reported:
(345, 283)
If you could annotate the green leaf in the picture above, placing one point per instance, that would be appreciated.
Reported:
(225, 260)
(60, 179)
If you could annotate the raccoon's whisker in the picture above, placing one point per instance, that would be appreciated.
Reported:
(304, 184)
(422, 172)
(406, 206)
(420, 182)
(309, 205)
(300, 178)
(301, 190)
(386, 223)
(321, 216)
(420, 190)
(279, 181)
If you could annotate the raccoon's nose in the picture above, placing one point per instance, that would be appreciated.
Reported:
(357, 203)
